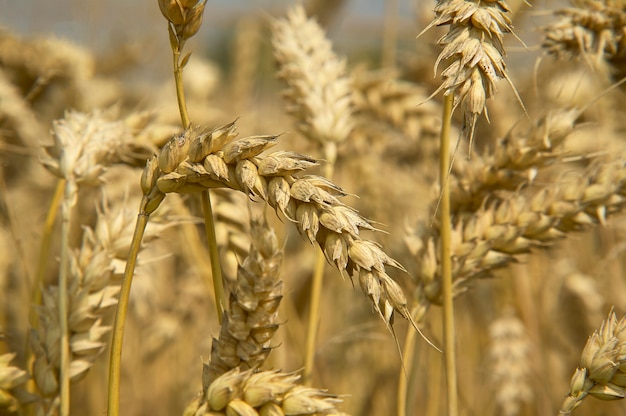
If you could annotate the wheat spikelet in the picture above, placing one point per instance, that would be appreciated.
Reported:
(251, 319)
(510, 363)
(474, 47)
(499, 232)
(264, 393)
(319, 89)
(12, 380)
(602, 369)
(196, 160)
(591, 29)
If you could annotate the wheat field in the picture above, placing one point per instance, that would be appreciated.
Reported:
(289, 220)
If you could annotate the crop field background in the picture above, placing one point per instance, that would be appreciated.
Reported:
(283, 222)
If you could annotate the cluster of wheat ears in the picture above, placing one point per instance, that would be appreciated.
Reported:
(233, 288)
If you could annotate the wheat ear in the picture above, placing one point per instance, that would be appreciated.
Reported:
(592, 30)
(197, 160)
(602, 369)
(501, 231)
(251, 319)
(474, 47)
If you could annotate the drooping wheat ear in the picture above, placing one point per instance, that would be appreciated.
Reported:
(501, 231)
(602, 369)
(93, 286)
(197, 160)
(474, 47)
(253, 393)
(319, 91)
(509, 357)
(12, 380)
(590, 29)
(515, 161)
(251, 319)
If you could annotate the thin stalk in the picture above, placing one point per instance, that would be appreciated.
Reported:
(216, 270)
(330, 153)
(64, 365)
(403, 381)
(314, 317)
(44, 250)
(180, 91)
(207, 210)
(446, 263)
(115, 362)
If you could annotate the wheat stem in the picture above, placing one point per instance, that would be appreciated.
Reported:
(216, 269)
(314, 317)
(44, 251)
(115, 361)
(446, 263)
(180, 91)
(64, 368)
(207, 210)
(408, 352)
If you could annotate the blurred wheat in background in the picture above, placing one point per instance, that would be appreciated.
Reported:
(314, 128)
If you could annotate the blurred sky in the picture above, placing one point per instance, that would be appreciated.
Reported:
(97, 23)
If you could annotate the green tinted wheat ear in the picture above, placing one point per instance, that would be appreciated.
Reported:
(501, 231)
(474, 49)
(602, 369)
(197, 160)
